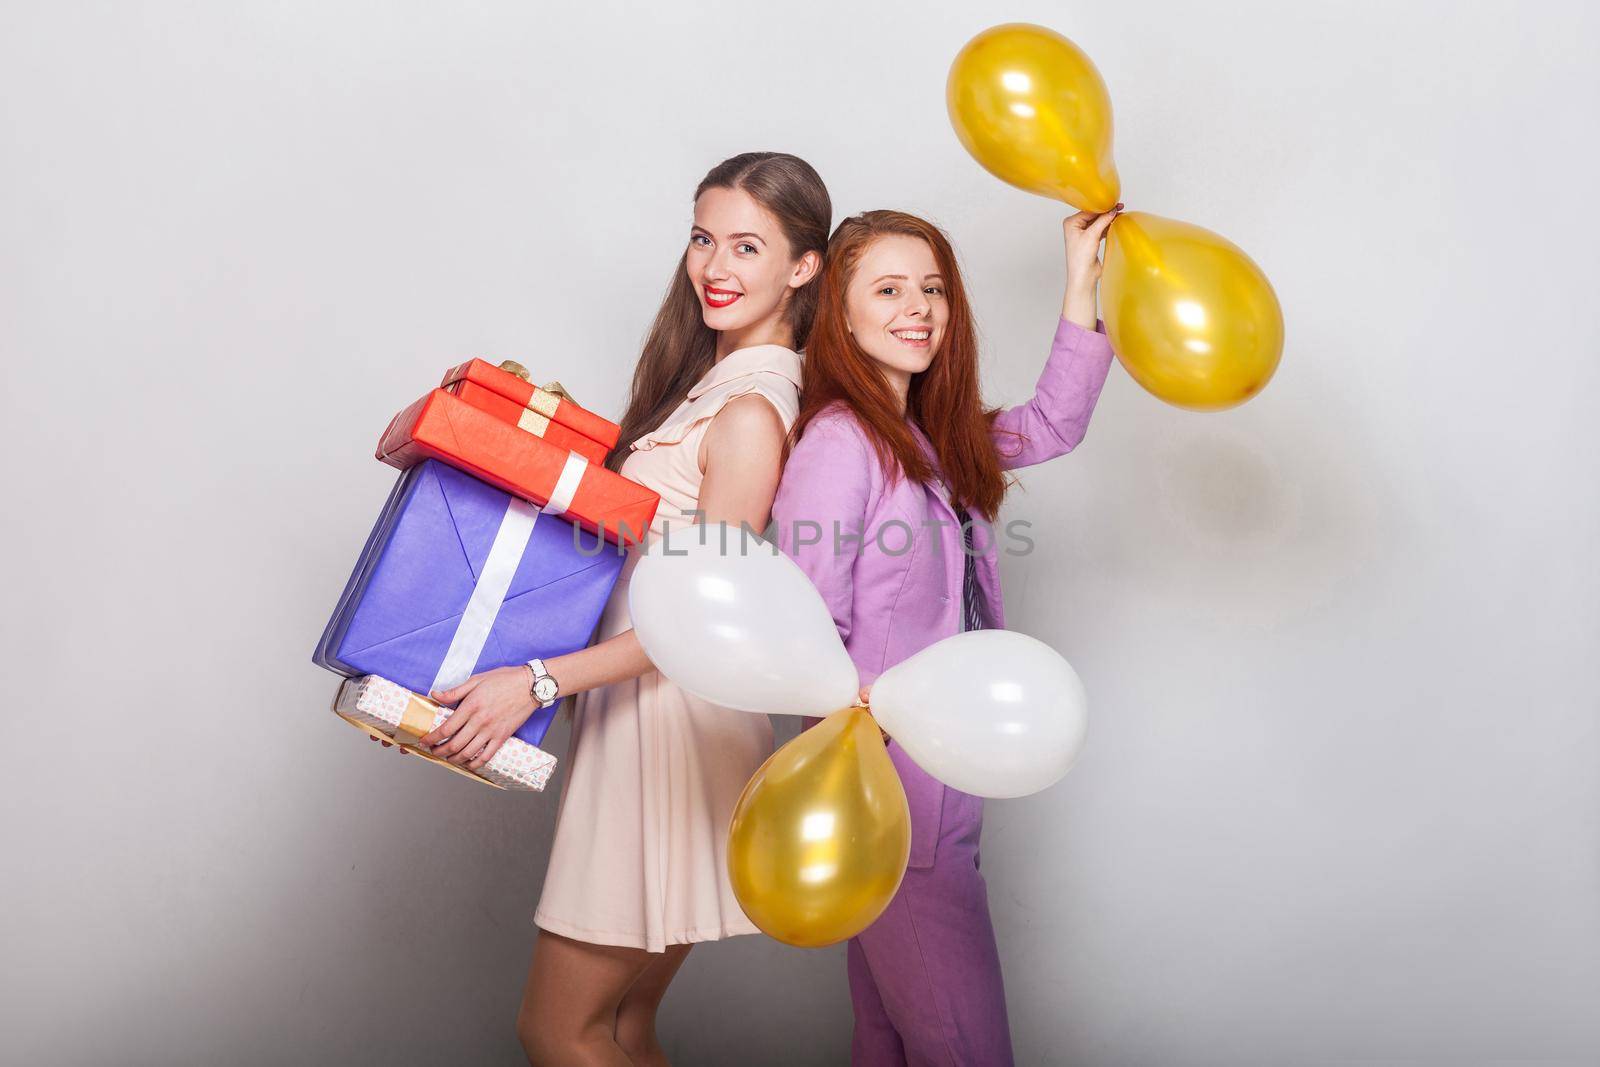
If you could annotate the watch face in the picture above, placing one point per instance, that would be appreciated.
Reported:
(545, 688)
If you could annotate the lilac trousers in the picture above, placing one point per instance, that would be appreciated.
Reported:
(925, 978)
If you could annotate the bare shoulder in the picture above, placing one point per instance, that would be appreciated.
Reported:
(747, 427)
(748, 419)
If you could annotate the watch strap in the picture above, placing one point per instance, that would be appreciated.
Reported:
(537, 669)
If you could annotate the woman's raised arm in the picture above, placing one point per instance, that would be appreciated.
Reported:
(1055, 419)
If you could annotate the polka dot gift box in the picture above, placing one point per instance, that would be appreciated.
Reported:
(394, 713)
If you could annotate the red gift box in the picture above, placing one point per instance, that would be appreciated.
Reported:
(442, 426)
(507, 410)
(511, 381)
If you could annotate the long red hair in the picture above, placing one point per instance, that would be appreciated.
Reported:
(944, 400)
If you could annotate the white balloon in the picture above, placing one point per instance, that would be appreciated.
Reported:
(990, 712)
(731, 619)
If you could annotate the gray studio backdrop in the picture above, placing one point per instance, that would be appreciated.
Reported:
(1339, 802)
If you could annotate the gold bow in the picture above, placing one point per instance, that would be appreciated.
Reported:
(556, 389)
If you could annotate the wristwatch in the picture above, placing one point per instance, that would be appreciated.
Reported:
(543, 686)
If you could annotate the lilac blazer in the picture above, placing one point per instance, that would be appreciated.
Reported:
(887, 555)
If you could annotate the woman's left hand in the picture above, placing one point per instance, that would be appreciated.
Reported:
(489, 708)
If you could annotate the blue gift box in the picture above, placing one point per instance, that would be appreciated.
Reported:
(458, 577)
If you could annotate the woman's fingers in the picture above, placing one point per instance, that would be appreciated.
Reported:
(473, 752)
(1092, 221)
(456, 695)
(1100, 224)
(463, 745)
(486, 754)
(473, 726)
(442, 733)
(457, 720)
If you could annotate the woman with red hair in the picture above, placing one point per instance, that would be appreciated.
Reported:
(897, 470)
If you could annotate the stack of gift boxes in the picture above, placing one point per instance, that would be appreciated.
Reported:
(500, 543)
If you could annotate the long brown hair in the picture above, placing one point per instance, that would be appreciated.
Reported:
(944, 399)
(681, 347)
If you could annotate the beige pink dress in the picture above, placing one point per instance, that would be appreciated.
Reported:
(652, 774)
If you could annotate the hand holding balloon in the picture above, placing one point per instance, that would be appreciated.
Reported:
(1083, 233)
(1191, 317)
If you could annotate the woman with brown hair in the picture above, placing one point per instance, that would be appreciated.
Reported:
(638, 869)
(903, 469)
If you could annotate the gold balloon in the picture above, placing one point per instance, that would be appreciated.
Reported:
(1031, 107)
(821, 835)
(1190, 316)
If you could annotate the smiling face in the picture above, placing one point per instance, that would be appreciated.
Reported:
(740, 265)
(896, 307)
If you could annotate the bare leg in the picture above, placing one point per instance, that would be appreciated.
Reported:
(569, 1007)
(636, 1015)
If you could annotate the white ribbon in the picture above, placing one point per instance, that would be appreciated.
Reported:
(567, 485)
(510, 542)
